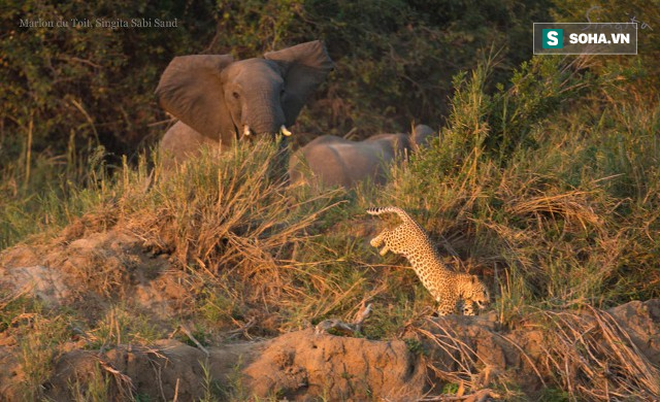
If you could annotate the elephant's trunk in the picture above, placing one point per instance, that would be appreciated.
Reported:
(279, 165)
(263, 113)
(271, 125)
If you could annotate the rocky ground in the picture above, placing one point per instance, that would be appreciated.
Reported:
(598, 354)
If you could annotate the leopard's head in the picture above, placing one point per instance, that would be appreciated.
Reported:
(478, 292)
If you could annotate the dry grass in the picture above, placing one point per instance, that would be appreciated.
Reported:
(568, 215)
(102, 384)
(465, 359)
(586, 354)
(456, 360)
(40, 339)
(240, 220)
(595, 359)
(236, 231)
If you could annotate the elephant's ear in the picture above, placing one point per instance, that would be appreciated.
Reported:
(191, 90)
(304, 68)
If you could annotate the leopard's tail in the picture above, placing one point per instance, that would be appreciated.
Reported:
(395, 210)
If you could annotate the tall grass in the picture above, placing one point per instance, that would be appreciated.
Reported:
(552, 193)
(532, 184)
(547, 191)
(58, 189)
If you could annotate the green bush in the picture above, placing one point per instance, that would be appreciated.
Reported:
(551, 185)
(394, 62)
(544, 178)
(641, 72)
(534, 163)
(80, 83)
(69, 92)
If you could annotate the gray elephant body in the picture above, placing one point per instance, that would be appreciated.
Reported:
(219, 100)
(335, 161)
(182, 142)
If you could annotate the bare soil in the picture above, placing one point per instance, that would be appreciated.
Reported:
(617, 350)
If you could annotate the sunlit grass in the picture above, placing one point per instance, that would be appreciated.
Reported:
(552, 198)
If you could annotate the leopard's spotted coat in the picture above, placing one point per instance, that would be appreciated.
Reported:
(447, 287)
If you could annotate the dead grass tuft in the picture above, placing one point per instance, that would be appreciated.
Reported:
(595, 359)
(225, 220)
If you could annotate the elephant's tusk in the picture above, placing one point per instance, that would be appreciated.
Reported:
(246, 130)
(285, 131)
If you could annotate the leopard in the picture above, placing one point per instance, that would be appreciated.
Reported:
(452, 290)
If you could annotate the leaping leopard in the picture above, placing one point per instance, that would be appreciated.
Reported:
(447, 287)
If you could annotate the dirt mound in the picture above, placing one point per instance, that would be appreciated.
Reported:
(94, 271)
(298, 366)
(166, 370)
(642, 322)
(10, 376)
(595, 354)
(470, 351)
(590, 354)
(304, 364)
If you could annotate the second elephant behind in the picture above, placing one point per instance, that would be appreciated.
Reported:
(334, 161)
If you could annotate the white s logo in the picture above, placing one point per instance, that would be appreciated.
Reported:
(552, 38)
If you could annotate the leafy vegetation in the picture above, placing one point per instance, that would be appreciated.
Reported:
(544, 177)
(67, 93)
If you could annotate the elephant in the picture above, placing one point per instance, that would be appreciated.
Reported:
(335, 161)
(218, 100)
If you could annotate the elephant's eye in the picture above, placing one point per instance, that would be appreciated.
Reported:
(281, 92)
(235, 95)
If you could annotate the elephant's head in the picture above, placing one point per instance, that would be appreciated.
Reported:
(225, 100)
(421, 136)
